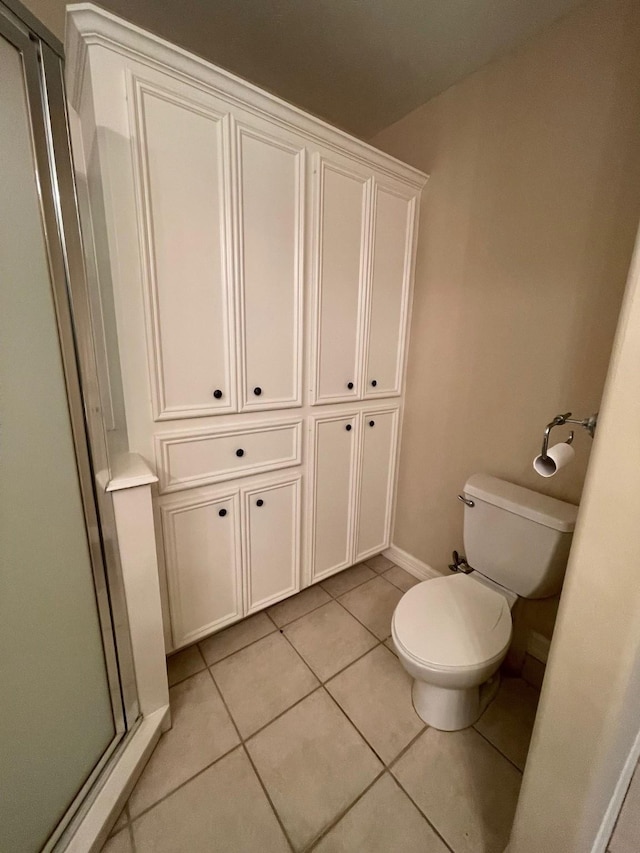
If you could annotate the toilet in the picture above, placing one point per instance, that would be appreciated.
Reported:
(452, 633)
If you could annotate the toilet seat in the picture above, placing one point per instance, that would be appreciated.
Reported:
(452, 623)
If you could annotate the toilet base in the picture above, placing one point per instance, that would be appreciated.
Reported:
(451, 710)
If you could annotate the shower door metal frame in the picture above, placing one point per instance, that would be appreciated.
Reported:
(41, 56)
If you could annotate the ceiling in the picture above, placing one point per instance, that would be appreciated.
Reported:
(360, 64)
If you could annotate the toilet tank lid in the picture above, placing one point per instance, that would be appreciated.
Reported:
(551, 512)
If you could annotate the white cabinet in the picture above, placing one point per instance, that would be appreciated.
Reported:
(334, 446)
(394, 213)
(229, 552)
(377, 468)
(248, 258)
(182, 163)
(222, 219)
(362, 261)
(272, 542)
(352, 487)
(342, 201)
(202, 556)
(270, 197)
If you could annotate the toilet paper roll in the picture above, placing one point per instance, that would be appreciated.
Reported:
(557, 457)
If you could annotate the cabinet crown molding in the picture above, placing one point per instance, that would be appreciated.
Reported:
(87, 25)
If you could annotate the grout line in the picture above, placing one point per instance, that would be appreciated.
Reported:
(268, 797)
(250, 760)
(439, 834)
(327, 829)
(132, 839)
(182, 784)
(235, 651)
(406, 748)
(497, 749)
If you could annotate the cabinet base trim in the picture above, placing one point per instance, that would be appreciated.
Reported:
(410, 563)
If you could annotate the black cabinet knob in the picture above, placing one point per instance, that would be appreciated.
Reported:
(222, 513)
(372, 423)
(259, 502)
(374, 382)
(239, 452)
(348, 427)
(257, 391)
(217, 394)
(349, 385)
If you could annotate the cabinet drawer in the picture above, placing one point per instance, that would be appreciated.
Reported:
(195, 458)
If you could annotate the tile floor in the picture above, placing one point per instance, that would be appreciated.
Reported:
(294, 730)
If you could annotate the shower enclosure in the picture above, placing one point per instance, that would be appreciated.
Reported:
(67, 692)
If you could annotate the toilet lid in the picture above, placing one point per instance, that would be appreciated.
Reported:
(453, 622)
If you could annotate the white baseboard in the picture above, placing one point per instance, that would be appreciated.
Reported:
(617, 798)
(410, 563)
(538, 646)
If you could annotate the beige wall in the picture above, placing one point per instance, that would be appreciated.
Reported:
(589, 713)
(526, 234)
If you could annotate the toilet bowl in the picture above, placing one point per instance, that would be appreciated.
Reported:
(451, 635)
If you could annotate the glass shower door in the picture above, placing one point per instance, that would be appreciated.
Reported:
(60, 710)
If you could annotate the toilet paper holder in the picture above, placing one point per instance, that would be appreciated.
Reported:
(587, 423)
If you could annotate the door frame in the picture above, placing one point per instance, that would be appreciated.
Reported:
(41, 56)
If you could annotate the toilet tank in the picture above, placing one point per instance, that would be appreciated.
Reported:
(517, 537)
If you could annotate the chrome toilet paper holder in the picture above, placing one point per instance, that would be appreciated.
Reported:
(587, 423)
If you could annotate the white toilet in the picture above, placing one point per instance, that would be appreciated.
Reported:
(452, 633)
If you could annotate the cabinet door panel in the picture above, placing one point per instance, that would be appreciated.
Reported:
(334, 461)
(377, 468)
(390, 279)
(272, 542)
(342, 199)
(181, 153)
(270, 208)
(202, 549)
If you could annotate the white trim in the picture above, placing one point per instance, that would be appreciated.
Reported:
(410, 563)
(95, 826)
(538, 646)
(617, 799)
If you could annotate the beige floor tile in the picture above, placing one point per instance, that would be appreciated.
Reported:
(379, 563)
(508, 721)
(627, 830)
(348, 579)
(329, 639)
(223, 810)
(398, 577)
(183, 664)
(292, 608)
(201, 732)
(236, 637)
(119, 843)
(375, 693)
(373, 604)
(383, 821)
(262, 681)
(464, 786)
(313, 764)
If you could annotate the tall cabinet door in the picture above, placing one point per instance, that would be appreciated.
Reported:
(270, 199)
(202, 550)
(182, 166)
(334, 457)
(342, 202)
(394, 213)
(377, 469)
(272, 541)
